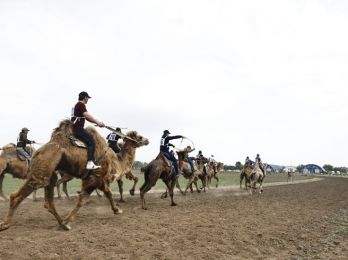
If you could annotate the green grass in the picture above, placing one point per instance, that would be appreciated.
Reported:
(226, 179)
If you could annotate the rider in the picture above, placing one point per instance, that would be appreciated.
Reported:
(249, 162)
(22, 142)
(258, 160)
(188, 150)
(112, 140)
(78, 116)
(164, 148)
(213, 162)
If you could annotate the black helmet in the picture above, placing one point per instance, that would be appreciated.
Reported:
(166, 132)
(199, 151)
(118, 129)
(24, 129)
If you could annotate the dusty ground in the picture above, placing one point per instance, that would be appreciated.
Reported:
(301, 221)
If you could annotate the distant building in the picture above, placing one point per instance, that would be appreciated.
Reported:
(313, 168)
(290, 169)
(274, 168)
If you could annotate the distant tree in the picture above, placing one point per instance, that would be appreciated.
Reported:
(300, 168)
(328, 167)
(239, 166)
(340, 169)
(137, 165)
(229, 167)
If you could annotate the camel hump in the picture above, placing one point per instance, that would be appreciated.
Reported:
(162, 157)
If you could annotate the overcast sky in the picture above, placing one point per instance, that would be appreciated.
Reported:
(236, 77)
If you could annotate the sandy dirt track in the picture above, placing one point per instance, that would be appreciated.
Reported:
(302, 221)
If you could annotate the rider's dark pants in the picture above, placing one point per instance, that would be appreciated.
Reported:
(85, 137)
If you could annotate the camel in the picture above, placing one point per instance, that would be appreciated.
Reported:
(127, 148)
(257, 176)
(59, 154)
(11, 164)
(187, 173)
(213, 174)
(158, 168)
(185, 168)
(245, 174)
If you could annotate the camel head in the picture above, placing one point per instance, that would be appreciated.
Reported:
(135, 140)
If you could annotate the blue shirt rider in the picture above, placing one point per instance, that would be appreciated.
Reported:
(113, 139)
(258, 160)
(250, 162)
(164, 148)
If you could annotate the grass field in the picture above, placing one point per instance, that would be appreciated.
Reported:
(226, 179)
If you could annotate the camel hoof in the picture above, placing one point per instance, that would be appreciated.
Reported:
(121, 201)
(131, 192)
(174, 204)
(4, 226)
(144, 208)
(164, 195)
(118, 211)
(65, 227)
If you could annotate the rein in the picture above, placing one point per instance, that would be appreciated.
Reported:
(120, 134)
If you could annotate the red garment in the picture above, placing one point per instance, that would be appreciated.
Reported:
(77, 117)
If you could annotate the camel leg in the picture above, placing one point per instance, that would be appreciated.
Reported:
(88, 186)
(217, 180)
(15, 199)
(64, 180)
(83, 196)
(143, 189)
(2, 176)
(130, 176)
(108, 194)
(208, 182)
(177, 184)
(196, 185)
(261, 188)
(120, 189)
(59, 196)
(65, 189)
(164, 194)
(241, 180)
(98, 194)
(170, 185)
(247, 182)
(34, 195)
(205, 183)
(49, 201)
(189, 184)
(191, 188)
